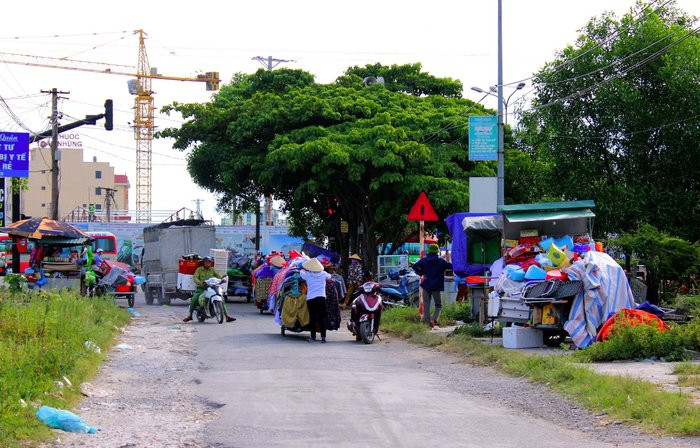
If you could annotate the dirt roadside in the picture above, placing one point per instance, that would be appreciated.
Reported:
(143, 395)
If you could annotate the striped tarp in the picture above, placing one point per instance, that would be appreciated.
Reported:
(605, 291)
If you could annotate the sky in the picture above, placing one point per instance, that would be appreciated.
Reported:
(456, 39)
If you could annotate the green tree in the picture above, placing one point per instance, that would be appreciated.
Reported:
(617, 114)
(665, 257)
(335, 151)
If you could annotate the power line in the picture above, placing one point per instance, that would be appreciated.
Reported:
(49, 36)
(613, 35)
(95, 47)
(619, 74)
(618, 136)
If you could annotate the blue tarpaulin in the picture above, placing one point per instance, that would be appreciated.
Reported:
(455, 224)
(314, 251)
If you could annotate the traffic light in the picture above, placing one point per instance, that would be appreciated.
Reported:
(109, 124)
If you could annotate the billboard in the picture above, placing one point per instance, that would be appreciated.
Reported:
(14, 154)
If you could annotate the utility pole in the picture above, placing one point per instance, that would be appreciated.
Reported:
(501, 188)
(269, 63)
(199, 208)
(54, 150)
(109, 200)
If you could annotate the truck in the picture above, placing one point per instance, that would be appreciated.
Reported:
(165, 245)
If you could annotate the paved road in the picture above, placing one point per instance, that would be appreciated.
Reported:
(284, 391)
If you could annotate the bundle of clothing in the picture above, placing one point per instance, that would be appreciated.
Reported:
(292, 311)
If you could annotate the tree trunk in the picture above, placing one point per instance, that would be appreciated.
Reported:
(652, 288)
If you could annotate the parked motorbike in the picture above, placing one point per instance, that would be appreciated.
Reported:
(213, 301)
(366, 313)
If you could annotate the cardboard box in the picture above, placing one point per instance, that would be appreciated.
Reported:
(510, 243)
(522, 337)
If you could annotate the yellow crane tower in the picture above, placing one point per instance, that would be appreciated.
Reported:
(143, 107)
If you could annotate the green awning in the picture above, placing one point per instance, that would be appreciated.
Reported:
(549, 216)
(546, 206)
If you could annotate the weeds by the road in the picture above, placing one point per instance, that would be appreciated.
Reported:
(633, 401)
(42, 339)
(637, 342)
(688, 375)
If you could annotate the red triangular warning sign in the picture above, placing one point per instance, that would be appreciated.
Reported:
(422, 210)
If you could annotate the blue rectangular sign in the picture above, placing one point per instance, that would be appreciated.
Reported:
(14, 154)
(483, 138)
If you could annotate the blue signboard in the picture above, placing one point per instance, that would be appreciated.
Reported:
(483, 138)
(14, 154)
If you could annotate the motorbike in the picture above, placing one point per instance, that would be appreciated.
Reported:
(366, 313)
(213, 301)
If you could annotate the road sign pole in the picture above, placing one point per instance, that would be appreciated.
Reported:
(421, 242)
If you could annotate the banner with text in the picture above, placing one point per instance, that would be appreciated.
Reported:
(483, 138)
(14, 154)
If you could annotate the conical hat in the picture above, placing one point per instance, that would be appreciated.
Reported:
(277, 261)
(355, 257)
(313, 265)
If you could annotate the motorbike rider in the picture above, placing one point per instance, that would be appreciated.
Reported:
(201, 275)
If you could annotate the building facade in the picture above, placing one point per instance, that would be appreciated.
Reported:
(81, 183)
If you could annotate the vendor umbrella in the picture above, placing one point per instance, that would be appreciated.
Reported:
(40, 228)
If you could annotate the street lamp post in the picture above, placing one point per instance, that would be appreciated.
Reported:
(502, 104)
(506, 102)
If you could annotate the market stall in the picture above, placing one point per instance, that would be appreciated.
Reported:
(551, 263)
(54, 259)
(476, 246)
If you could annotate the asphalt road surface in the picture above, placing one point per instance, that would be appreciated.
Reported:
(274, 391)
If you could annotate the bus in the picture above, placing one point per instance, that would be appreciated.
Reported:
(24, 246)
(105, 241)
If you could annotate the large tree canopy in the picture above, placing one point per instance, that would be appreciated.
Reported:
(616, 119)
(335, 151)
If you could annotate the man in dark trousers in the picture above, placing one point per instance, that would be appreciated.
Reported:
(432, 268)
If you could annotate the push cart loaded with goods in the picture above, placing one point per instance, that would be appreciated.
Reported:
(533, 294)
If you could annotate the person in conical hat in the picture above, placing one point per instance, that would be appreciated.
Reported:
(315, 278)
(355, 278)
(277, 261)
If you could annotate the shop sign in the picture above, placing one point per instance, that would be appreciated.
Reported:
(14, 154)
(344, 227)
(483, 138)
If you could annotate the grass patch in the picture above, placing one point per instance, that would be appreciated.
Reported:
(630, 400)
(690, 333)
(453, 312)
(688, 374)
(689, 305)
(475, 330)
(42, 337)
(687, 368)
(637, 342)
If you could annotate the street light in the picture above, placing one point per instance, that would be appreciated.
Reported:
(505, 102)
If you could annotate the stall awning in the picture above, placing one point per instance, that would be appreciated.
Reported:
(487, 222)
(64, 241)
(546, 206)
(549, 216)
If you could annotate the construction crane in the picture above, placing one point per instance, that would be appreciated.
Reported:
(143, 106)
